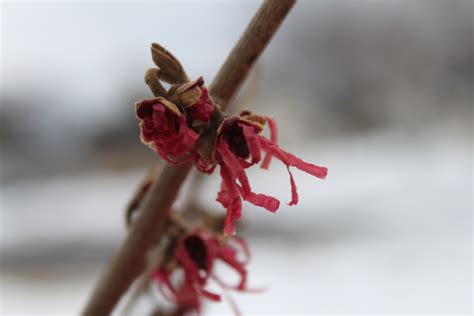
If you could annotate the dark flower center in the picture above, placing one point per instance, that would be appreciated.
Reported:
(145, 110)
(234, 137)
(197, 251)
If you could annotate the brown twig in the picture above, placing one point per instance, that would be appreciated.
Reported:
(129, 261)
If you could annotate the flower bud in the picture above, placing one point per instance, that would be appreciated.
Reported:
(169, 65)
(152, 80)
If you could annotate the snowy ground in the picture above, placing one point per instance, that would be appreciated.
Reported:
(389, 231)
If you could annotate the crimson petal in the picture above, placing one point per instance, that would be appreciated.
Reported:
(274, 138)
(233, 165)
(294, 192)
(252, 142)
(291, 160)
(268, 202)
(229, 256)
(230, 200)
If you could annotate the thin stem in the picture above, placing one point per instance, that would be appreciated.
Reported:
(129, 261)
(251, 44)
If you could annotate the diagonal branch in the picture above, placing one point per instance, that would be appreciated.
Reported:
(129, 261)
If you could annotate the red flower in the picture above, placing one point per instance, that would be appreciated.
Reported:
(196, 255)
(239, 146)
(164, 129)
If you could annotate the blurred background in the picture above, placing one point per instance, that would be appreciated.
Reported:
(379, 92)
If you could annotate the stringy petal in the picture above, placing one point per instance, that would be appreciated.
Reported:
(291, 160)
(162, 277)
(317, 171)
(274, 138)
(232, 200)
(233, 165)
(212, 296)
(191, 268)
(229, 256)
(252, 143)
(188, 295)
(223, 198)
(245, 248)
(268, 202)
(294, 192)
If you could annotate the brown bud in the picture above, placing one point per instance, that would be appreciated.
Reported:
(151, 79)
(169, 65)
(164, 77)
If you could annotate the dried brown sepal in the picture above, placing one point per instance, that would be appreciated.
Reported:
(189, 93)
(208, 141)
(168, 64)
(256, 120)
(152, 80)
(172, 95)
(185, 94)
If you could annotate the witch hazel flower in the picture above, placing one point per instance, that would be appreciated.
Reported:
(239, 145)
(195, 258)
(172, 129)
(164, 129)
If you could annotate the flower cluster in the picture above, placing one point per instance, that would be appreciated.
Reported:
(183, 124)
(194, 259)
(188, 126)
